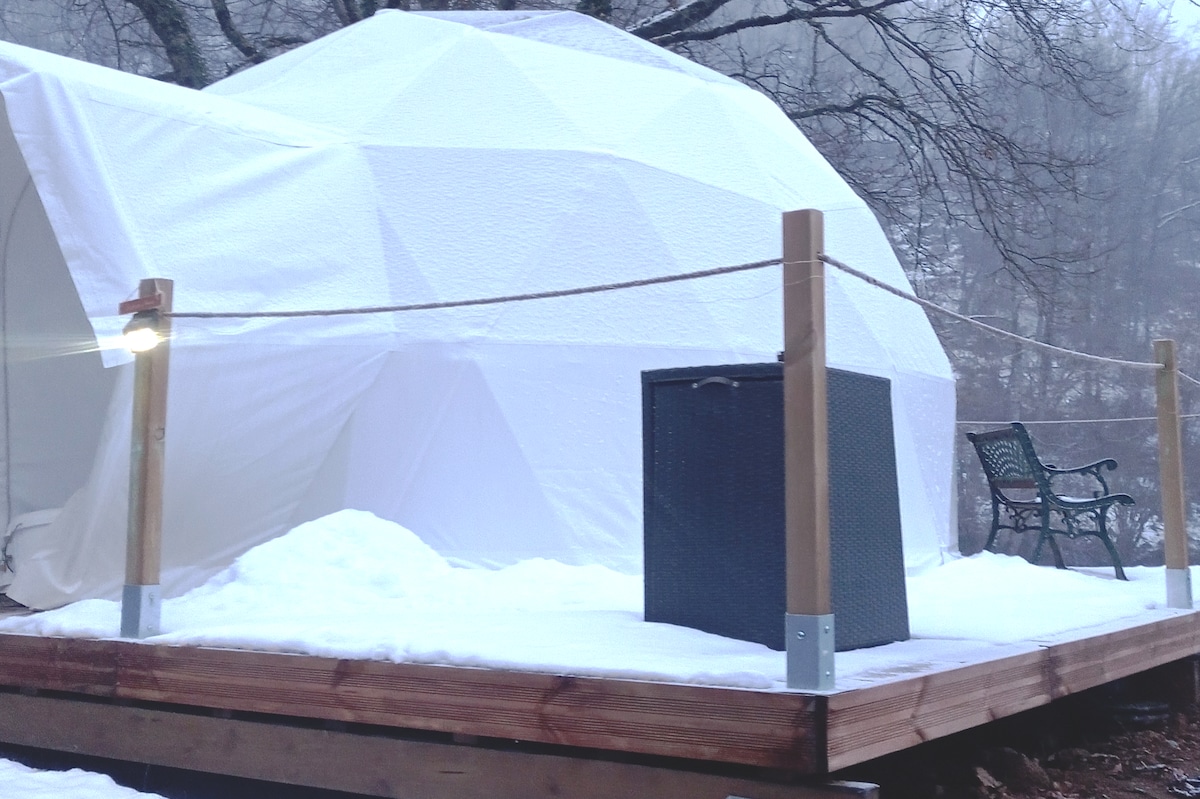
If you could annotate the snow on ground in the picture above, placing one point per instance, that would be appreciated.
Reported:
(21, 782)
(373, 590)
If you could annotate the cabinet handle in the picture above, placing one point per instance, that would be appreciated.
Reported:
(724, 381)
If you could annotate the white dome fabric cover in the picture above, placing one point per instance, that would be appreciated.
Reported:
(416, 158)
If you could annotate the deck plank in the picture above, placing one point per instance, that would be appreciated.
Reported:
(1095, 660)
(58, 664)
(371, 764)
(653, 718)
(684, 721)
(868, 722)
(797, 732)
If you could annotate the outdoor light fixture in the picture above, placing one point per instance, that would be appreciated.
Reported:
(141, 334)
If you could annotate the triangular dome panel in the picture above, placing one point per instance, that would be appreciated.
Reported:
(430, 157)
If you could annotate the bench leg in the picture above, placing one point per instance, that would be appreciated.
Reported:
(1037, 550)
(1058, 558)
(1116, 559)
(995, 525)
(1108, 544)
(1048, 537)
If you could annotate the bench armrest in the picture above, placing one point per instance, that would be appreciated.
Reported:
(1093, 469)
(1070, 504)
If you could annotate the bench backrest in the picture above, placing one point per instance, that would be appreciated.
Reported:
(1008, 458)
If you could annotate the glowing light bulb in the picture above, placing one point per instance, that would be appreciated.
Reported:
(141, 339)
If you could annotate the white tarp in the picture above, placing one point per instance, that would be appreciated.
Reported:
(414, 158)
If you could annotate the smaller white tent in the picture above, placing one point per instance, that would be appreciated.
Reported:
(409, 158)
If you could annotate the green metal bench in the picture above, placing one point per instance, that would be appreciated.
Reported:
(1022, 485)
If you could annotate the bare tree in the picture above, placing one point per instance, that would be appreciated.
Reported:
(1137, 218)
(899, 94)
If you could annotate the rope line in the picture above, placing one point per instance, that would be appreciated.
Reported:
(431, 306)
(1188, 378)
(998, 331)
(703, 273)
(1080, 421)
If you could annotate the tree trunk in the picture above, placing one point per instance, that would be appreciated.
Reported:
(166, 18)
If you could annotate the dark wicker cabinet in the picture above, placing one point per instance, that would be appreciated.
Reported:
(714, 504)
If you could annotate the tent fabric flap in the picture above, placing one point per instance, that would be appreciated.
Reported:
(504, 154)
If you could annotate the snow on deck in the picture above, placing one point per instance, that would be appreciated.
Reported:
(354, 586)
(21, 782)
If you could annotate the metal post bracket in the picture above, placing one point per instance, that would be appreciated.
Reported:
(810, 646)
(141, 611)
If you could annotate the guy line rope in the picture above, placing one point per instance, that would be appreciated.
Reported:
(996, 330)
(433, 306)
(675, 278)
(1148, 365)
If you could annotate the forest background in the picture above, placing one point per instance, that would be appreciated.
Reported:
(1036, 164)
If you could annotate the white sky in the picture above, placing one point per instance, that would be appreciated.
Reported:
(1186, 15)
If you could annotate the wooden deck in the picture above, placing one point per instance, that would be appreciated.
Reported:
(64, 693)
(866, 723)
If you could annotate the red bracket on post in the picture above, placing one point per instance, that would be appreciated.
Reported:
(150, 303)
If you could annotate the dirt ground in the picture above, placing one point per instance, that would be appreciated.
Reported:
(1116, 742)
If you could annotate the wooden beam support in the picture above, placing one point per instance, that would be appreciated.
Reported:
(797, 733)
(809, 623)
(684, 721)
(869, 722)
(58, 664)
(141, 604)
(1170, 464)
(370, 764)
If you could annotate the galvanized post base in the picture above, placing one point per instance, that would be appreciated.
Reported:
(809, 652)
(141, 611)
(1179, 588)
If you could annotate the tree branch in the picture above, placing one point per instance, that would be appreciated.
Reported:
(235, 37)
(673, 20)
(170, 26)
(674, 27)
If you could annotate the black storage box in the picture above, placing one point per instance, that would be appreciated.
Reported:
(714, 504)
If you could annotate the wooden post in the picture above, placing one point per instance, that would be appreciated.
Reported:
(1170, 465)
(809, 622)
(141, 602)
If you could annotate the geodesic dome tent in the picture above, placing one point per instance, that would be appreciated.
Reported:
(409, 158)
